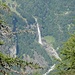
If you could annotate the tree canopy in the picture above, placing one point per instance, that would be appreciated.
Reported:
(67, 54)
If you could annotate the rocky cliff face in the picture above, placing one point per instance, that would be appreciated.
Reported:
(7, 36)
(39, 59)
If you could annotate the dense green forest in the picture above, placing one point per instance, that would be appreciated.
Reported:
(55, 18)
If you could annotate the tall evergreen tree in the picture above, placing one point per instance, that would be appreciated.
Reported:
(67, 54)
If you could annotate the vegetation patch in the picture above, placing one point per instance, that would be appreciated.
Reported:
(50, 39)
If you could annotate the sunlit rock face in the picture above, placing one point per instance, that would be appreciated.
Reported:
(50, 50)
(12, 51)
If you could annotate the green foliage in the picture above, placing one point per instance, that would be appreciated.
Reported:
(36, 73)
(67, 53)
(11, 62)
(52, 19)
(1, 42)
(4, 6)
(49, 39)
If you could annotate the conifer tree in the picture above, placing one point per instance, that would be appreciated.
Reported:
(67, 53)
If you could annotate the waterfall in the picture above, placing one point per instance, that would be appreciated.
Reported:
(49, 49)
(39, 33)
(52, 68)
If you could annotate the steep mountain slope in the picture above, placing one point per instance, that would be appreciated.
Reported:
(56, 21)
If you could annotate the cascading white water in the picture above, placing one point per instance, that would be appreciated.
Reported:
(50, 50)
(50, 70)
(39, 33)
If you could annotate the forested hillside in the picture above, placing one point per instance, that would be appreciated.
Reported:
(56, 21)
